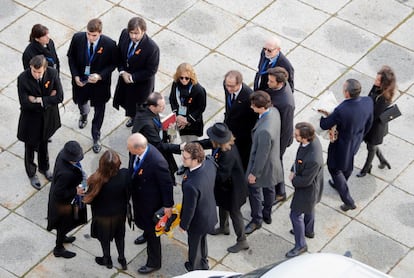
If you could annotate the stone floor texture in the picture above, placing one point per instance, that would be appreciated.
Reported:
(326, 41)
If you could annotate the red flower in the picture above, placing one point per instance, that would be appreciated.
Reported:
(140, 172)
(190, 100)
(47, 84)
(100, 51)
(137, 51)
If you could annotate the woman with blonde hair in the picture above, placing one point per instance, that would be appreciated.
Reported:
(382, 94)
(108, 196)
(188, 102)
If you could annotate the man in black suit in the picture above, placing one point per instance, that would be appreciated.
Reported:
(40, 92)
(307, 179)
(138, 64)
(238, 116)
(282, 99)
(151, 189)
(198, 212)
(271, 57)
(92, 58)
(353, 119)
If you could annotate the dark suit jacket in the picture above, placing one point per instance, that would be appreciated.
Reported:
(240, 119)
(284, 102)
(308, 179)
(353, 119)
(378, 129)
(34, 48)
(198, 211)
(147, 123)
(103, 63)
(36, 122)
(143, 66)
(264, 161)
(151, 187)
(196, 104)
(260, 80)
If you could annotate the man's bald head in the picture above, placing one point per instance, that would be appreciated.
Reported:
(137, 143)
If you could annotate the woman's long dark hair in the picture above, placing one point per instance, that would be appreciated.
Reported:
(109, 164)
(388, 83)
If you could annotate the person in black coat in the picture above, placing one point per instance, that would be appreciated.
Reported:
(139, 57)
(151, 189)
(108, 196)
(41, 44)
(271, 57)
(40, 92)
(67, 176)
(382, 94)
(282, 99)
(353, 119)
(307, 179)
(238, 115)
(92, 59)
(198, 211)
(147, 122)
(188, 101)
(230, 189)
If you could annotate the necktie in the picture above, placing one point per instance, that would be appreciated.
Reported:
(136, 165)
(233, 97)
(131, 49)
(91, 49)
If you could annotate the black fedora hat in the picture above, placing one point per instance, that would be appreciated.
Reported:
(72, 151)
(219, 133)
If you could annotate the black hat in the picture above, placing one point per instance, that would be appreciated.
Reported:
(72, 151)
(219, 133)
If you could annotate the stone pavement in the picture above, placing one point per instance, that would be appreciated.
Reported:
(326, 41)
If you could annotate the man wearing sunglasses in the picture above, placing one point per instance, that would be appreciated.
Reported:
(271, 57)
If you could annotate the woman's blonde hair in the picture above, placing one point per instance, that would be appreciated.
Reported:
(187, 68)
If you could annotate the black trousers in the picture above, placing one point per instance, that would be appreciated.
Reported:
(372, 151)
(98, 117)
(340, 179)
(42, 158)
(197, 251)
(237, 219)
(153, 249)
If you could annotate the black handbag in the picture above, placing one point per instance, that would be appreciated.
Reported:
(390, 113)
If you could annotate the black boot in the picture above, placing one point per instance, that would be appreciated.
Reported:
(364, 172)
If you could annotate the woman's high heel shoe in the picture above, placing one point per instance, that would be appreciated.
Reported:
(383, 164)
(364, 173)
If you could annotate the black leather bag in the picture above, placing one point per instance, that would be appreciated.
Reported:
(390, 113)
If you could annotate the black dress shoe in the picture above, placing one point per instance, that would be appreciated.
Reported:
(279, 199)
(383, 164)
(188, 266)
(48, 174)
(123, 263)
(363, 173)
(97, 147)
(147, 269)
(83, 120)
(251, 227)
(34, 181)
(69, 239)
(346, 207)
(219, 231)
(140, 240)
(296, 252)
(130, 122)
(106, 261)
(241, 245)
(62, 252)
(311, 235)
(267, 220)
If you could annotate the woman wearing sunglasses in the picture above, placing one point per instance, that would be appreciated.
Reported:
(188, 102)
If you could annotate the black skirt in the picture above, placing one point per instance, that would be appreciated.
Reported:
(106, 228)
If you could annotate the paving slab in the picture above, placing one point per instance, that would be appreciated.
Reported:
(399, 35)
(405, 267)
(208, 31)
(9, 72)
(243, 8)
(3, 212)
(282, 17)
(328, 6)
(400, 127)
(367, 246)
(391, 214)
(10, 11)
(8, 121)
(404, 180)
(16, 242)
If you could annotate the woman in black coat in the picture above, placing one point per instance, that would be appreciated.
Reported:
(188, 102)
(382, 94)
(108, 196)
(41, 44)
(67, 176)
(230, 188)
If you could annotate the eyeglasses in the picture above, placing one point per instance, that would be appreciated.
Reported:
(268, 49)
(184, 78)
